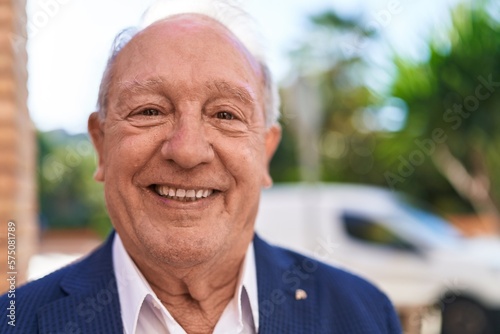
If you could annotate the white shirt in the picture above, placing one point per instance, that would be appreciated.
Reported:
(143, 313)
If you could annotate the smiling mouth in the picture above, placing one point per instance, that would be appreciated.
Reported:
(182, 195)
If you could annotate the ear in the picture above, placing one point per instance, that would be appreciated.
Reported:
(273, 138)
(96, 132)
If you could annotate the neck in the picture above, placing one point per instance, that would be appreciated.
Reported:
(196, 296)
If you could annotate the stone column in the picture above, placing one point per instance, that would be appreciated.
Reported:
(17, 145)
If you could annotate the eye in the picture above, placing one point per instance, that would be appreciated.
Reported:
(225, 115)
(150, 112)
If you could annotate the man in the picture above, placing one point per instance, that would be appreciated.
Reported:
(186, 127)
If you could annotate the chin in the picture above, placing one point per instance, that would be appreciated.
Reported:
(182, 250)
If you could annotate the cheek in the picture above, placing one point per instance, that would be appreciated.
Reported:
(244, 158)
(129, 153)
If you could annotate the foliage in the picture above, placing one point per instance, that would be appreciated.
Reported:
(450, 92)
(68, 195)
(284, 166)
(330, 57)
(437, 153)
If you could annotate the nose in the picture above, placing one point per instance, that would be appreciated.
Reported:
(187, 144)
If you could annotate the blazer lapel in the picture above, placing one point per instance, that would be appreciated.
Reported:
(286, 292)
(92, 304)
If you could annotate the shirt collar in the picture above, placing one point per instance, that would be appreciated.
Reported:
(248, 281)
(133, 288)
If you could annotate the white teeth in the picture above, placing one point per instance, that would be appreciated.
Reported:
(183, 194)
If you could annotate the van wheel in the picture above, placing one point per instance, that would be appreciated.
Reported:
(464, 316)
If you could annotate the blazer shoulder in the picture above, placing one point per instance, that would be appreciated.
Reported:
(323, 273)
(52, 285)
(31, 297)
(339, 298)
(24, 302)
(326, 276)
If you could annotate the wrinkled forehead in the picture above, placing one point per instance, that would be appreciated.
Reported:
(191, 27)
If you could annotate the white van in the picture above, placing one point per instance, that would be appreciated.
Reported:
(415, 257)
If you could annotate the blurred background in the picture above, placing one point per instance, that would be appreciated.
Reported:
(387, 97)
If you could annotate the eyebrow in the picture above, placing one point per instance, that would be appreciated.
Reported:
(155, 85)
(139, 86)
(242, 93)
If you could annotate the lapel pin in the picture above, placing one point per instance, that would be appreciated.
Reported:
(300, 294)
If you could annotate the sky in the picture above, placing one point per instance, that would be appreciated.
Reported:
(69, 41)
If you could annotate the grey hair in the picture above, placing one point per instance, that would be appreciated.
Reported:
(227, 12)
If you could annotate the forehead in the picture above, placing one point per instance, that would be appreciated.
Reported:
(187, 40)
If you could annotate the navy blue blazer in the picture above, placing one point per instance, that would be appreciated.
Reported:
(83, 298)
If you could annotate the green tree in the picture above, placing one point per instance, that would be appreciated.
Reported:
(455, 93)
(321, 105)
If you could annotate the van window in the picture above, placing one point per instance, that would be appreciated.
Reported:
(370, 231)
